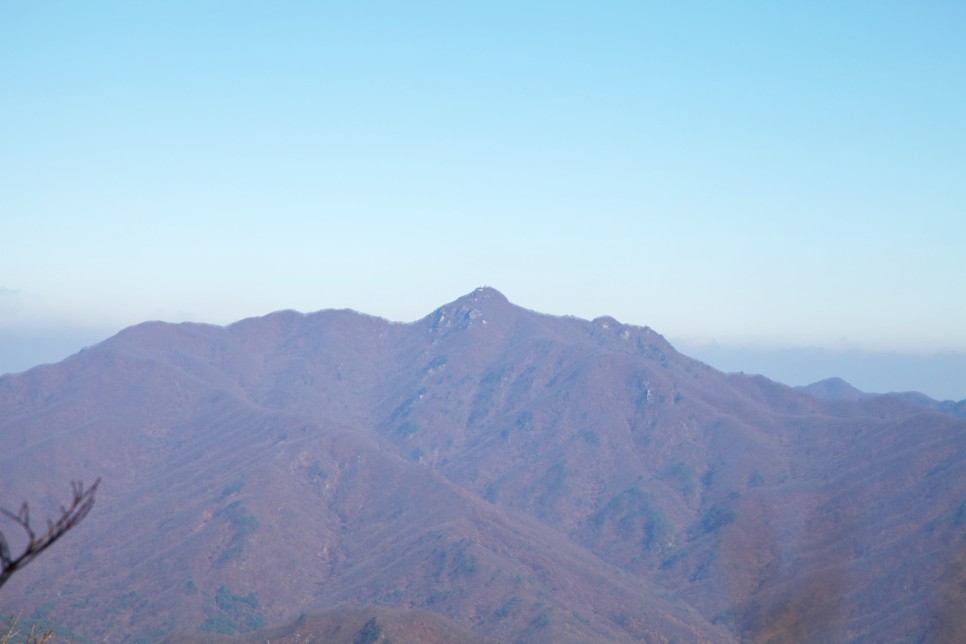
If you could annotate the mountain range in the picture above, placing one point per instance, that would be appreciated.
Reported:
(486, 471)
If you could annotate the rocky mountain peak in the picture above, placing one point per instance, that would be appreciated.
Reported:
(476, 309)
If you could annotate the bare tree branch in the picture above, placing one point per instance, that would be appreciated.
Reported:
(81, 504)
(9, 632)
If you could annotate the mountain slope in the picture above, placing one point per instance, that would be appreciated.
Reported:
(526, 476)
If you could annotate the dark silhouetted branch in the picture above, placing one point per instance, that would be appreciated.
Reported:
(83, 501)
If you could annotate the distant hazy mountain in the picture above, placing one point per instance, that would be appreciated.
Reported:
(838, 389)
(941, 376)
(524, 477)
(834, 389)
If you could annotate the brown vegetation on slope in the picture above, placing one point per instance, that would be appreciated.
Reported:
(525, 476)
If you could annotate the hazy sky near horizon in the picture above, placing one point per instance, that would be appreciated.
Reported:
(751, 173)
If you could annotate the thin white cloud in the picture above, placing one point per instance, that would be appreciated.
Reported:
(8, 292)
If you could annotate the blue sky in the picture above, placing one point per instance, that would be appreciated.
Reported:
(764, 175)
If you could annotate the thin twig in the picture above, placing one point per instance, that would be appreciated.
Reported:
(81, 504)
